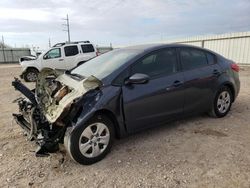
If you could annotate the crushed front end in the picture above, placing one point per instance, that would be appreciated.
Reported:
(46, 111)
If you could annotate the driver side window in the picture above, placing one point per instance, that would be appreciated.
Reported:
(53, 53)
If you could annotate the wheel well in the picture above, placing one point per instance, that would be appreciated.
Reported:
(32, 68)
(112, 117)
(230, 86)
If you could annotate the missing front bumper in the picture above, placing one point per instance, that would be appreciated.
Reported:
(47, 141)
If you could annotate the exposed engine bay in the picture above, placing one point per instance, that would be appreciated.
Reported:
(46, 111)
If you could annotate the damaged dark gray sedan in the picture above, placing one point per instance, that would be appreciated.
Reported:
(122, 92)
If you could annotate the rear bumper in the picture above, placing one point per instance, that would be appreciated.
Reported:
(238, 89)
(237, 85)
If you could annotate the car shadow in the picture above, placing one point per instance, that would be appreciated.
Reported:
(164, 130)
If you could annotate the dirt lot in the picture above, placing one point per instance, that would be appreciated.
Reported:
(196, 152)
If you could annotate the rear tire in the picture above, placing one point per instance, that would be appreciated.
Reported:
(222, 103)
(30, 75)
(90, 142)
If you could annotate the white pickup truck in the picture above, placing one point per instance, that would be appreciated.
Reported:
(61, 56)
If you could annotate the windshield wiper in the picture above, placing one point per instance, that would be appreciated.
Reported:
(74, 75)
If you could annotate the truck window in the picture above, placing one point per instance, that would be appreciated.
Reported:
(70, 50)
(53, 53)
(87, 48)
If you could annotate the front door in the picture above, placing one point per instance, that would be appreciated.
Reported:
(158, 100)
(53, 59)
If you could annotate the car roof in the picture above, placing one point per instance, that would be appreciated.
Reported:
(160, 45)
(151, 47)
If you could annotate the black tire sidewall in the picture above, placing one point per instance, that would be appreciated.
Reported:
(29, 71)
(75, 136)
(216, 111)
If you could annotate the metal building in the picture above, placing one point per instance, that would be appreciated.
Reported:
(12, 55)
(235, 46)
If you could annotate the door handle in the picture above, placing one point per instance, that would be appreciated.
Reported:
(177, 83)
(216, 72)
(60, 59)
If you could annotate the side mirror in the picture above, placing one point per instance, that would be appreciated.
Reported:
(45, 56)
(137, 78)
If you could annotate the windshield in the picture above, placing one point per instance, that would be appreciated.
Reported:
(103, 65)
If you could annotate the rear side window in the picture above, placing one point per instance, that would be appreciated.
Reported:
(192, 58)
(162, 62)
(211, 59)
(70, 50)
(87, 48)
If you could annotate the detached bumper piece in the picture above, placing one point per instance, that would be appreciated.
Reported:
(22, 122)
(47, 140)
(32, 121)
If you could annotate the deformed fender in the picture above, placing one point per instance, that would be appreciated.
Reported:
(69, 90)
(102, 104)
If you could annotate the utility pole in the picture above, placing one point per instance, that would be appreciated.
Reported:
(49, 43)
(67, 27)
(4, 58)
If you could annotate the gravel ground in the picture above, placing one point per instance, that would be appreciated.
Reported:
(195, 152)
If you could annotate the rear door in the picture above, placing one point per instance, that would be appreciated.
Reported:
(158, 100)
(70, 57)
(200, 72)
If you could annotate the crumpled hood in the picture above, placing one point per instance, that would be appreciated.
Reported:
(55, 91)
(31, 61)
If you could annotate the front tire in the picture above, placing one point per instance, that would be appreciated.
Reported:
(222, 102)
(92, 141)
(30, 75)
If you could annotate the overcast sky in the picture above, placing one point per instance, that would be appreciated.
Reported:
(120, 22)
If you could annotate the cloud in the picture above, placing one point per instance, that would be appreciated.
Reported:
(119, 21)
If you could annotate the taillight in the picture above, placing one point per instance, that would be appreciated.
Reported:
(235, 67)
(96, 53)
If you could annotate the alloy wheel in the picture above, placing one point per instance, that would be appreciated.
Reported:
(94, 140)
(32, 76)
(223, 102)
